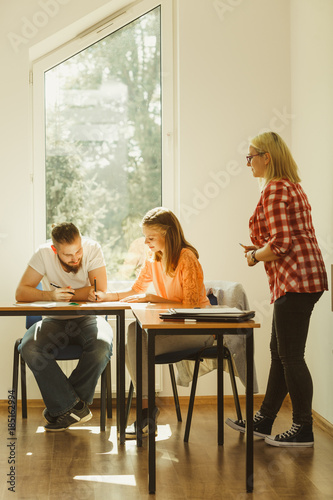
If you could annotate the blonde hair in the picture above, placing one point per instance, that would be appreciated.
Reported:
(281, 165)
(165, 222)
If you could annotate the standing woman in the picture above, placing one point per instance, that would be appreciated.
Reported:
(283, 237)
(173, 267)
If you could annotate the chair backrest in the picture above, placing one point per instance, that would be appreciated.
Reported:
(31, 320)
(228, 293)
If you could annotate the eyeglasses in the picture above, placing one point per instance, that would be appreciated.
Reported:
(249, 157)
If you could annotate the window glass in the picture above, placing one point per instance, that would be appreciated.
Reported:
(103, 162)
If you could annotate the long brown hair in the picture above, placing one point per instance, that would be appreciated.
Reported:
(164, 221)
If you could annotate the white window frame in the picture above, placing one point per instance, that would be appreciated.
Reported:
(76, 45)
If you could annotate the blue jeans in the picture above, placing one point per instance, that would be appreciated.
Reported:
(289, 371)
(40, 347)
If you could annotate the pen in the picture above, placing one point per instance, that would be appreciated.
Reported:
(95, 286)
(57, 286)
(242, 245)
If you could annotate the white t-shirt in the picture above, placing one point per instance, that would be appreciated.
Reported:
(46, 262)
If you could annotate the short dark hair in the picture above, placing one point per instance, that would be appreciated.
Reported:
(65, 232)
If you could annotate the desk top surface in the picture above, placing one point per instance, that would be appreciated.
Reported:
(148, 317)
(38, 309)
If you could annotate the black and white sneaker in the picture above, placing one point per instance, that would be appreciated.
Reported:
(48, 416)
(71, 417)
(262, 426)
(299, 435)
(130, 431)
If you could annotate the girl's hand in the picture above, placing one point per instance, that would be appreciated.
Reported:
(92, 295)
(141, 297)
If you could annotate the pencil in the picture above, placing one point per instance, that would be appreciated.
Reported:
(57, 286)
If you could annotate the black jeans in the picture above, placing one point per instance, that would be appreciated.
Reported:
(288, 371)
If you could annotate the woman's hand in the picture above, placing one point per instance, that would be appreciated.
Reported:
(140, 297)
(250, 261)
(96, 296)
(248, 248)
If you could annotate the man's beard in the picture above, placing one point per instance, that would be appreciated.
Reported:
(70, 269)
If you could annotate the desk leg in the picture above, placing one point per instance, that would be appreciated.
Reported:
(151, 407)
(121, 376)
(220, 411)
(249, 410)
(138, 384)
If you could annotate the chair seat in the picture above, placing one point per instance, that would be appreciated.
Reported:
(174, 357)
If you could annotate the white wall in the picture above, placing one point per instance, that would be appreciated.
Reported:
(312, 132)
(233, 78)
(230, 87)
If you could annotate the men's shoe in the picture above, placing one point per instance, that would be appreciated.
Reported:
(299, 435)
(262, 426)
(71, 417)
(130, 431)
(48, 416)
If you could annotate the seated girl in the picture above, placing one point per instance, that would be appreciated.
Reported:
(173, 267)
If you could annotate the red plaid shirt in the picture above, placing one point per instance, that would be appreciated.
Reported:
(283, 219)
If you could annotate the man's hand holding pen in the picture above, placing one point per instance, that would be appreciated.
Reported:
(62, 294)
(96, 295)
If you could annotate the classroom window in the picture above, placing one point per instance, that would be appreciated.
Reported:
(103, 132)
(103, 163)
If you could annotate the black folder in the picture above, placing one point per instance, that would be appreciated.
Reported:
(208, 314)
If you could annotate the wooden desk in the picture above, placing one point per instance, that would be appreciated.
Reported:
(88, 309)
(148, 319)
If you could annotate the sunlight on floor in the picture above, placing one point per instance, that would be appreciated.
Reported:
(124, 480)
(93, 429)
(164, 433)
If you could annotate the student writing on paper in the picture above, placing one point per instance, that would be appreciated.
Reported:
(284, 239)
(173, 267)
(68, 265)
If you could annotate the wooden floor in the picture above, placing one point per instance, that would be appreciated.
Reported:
(83, 463)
